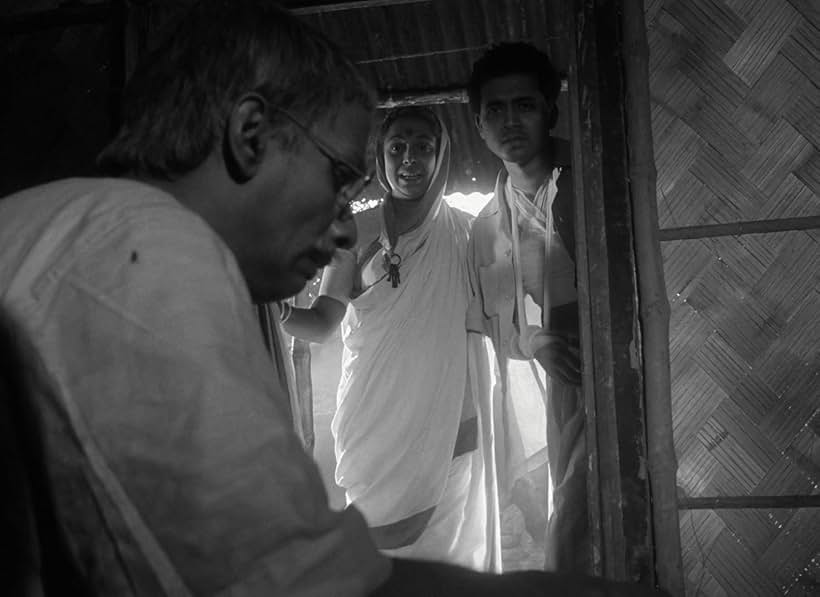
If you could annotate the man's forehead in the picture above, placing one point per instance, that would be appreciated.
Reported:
(509, 87)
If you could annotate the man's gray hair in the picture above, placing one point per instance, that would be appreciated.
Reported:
(177, 102)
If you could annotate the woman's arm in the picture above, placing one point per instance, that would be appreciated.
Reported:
(315, 323)
(319, 321)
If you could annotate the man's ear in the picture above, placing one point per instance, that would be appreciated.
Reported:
(246, 137)
(478, 125)
(552, 118)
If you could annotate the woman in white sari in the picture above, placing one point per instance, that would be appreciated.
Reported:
(409, 439)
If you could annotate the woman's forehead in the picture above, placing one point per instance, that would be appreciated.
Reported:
(411, 126)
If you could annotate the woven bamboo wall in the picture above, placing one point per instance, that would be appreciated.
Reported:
(736, 131)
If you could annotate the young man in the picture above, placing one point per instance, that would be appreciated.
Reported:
(175, 466)
(522, 263)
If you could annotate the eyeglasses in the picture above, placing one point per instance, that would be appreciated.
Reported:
(348, 180)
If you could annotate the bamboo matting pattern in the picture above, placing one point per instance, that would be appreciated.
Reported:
(736, 132)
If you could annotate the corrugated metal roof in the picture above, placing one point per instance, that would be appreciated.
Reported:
(432, 45)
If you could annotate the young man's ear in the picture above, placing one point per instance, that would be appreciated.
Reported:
(478, 125)
(246, 137)
(552, 118)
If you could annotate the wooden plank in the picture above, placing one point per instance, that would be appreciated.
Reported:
(312, 9)
(740, 228)
(748, 502)
(585, 158)
(395, 98)
(613, 382)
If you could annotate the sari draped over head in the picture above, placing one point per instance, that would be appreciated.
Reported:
(401, 400)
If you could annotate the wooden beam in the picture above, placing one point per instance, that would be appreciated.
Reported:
(351, 5)
(620, 512)
(395, 98)
(746, 502)
(398, 98)
(740, 228)
(427, 54)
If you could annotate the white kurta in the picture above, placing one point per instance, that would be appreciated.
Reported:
(175, 464)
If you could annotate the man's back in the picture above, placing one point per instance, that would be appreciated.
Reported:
(173, 457)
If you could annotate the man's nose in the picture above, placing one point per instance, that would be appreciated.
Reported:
(343, 231)
(409, 156)
(511, 116)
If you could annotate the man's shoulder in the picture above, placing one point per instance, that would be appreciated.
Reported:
(82, 219)
(96, 201)
(489, 210)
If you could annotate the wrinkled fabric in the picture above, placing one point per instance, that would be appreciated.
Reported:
(176, 468)
(404, 389)
(510, 303)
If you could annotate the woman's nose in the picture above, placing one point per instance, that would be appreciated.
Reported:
(409, 157)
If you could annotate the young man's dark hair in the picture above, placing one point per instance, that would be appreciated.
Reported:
(513, 58)
(169, 129)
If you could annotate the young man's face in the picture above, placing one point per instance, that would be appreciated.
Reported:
(514, 120)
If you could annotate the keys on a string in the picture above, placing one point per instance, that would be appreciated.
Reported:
(392, 261)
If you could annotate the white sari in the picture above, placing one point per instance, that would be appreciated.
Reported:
(406, 432)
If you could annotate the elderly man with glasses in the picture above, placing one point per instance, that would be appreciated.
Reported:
(176, 468)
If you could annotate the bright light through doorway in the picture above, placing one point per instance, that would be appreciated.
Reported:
(472, 203)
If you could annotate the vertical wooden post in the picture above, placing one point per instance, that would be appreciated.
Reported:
(654, 306)
(607, 278)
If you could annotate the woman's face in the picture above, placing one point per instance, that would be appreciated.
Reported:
(409, 157)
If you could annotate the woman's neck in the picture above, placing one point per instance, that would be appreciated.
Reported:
(400, 216)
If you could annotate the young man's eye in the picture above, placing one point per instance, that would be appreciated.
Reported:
(526, 106)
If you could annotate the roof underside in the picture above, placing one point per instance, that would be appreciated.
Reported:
(426, 45)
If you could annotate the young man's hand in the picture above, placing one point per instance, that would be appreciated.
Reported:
(561, 360)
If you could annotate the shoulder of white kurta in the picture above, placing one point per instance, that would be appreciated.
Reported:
(142, 252)
(461, 222)
(490, 209)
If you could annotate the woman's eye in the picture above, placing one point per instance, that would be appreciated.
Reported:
(395, 148)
